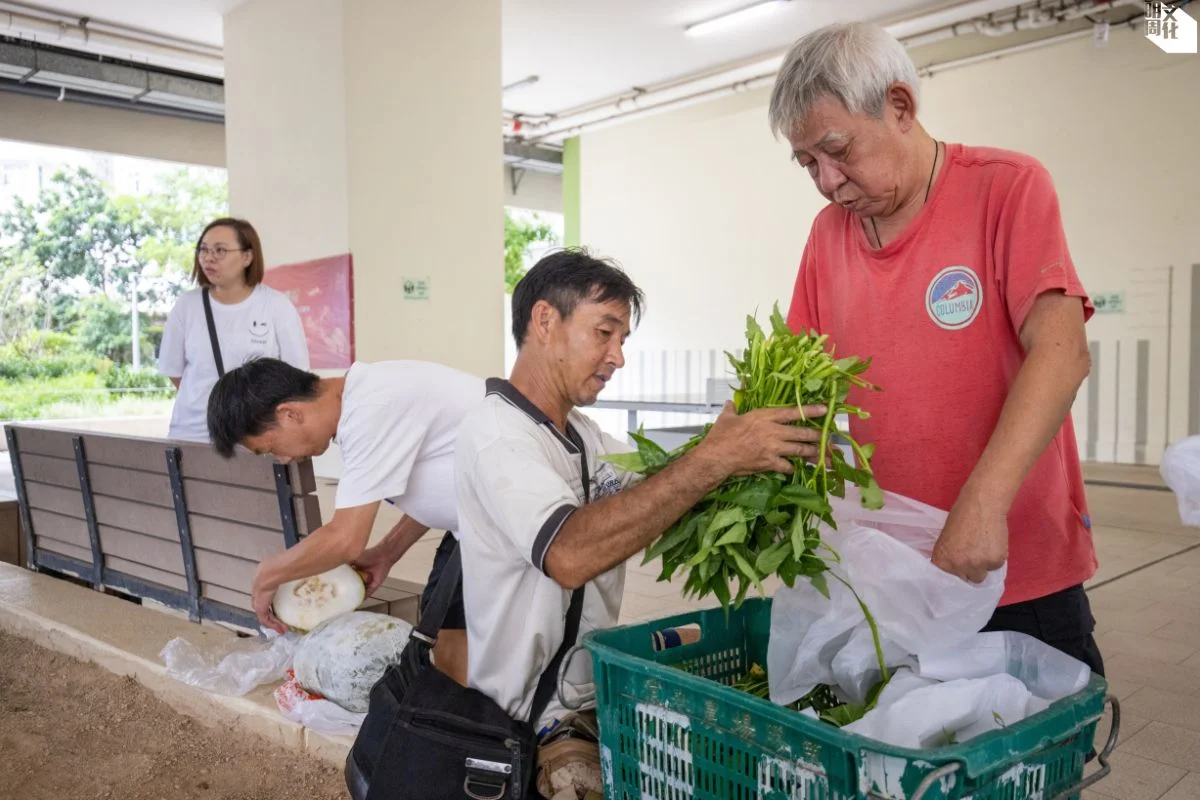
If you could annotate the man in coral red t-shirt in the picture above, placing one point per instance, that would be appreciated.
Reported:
(949, 266)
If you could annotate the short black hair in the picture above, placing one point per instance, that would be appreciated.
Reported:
(244, 400)
(565, 278)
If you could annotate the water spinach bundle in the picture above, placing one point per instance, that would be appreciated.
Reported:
(753, 527)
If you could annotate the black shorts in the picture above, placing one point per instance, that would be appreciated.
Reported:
(1062, 620)
(456, 617)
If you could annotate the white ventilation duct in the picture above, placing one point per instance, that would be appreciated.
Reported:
(110, 40)
(1016, 49)
(85, 75)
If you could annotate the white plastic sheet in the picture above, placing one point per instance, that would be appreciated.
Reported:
(917, 606)
(1048, 673)
(990, 681)
(233, 667)
(1180, 469)
(315, 712)
(945, 713)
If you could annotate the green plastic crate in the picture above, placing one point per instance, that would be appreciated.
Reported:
(672, 729)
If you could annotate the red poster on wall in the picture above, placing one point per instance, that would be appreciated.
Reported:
(323, 292)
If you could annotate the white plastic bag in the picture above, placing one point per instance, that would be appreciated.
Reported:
(315, 712)
(343, 657)
(1048, 672)
(945, 713)
(917, 606)
(233, 667)
(989, 681)
(1180, 469)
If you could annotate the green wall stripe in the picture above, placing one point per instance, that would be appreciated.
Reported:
(570, 192)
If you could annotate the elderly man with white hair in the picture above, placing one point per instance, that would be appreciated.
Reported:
(948, 264)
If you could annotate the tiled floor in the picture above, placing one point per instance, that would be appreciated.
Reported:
(1146, 599)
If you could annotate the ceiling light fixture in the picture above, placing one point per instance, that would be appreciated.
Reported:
(734, 17)
(530, 81)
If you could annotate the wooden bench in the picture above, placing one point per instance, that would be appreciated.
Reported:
(12, 542)
(165, 521)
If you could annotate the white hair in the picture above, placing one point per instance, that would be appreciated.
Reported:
(853, 62)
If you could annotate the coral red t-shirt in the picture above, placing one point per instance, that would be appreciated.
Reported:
(940, 309)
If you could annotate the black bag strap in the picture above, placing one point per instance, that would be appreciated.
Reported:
(443, 596)
(212, 333)
(545, 687)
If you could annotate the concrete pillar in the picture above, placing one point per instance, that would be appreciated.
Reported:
(372, 127)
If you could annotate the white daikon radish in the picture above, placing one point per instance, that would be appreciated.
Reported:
(343, 657)
(304, 604)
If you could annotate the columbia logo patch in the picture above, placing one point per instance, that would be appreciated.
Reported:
(954, 298)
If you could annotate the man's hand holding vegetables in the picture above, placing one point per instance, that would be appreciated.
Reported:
(608, 532)
(948, 264)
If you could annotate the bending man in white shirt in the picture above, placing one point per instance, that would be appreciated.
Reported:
(396, 423)
(528, 538)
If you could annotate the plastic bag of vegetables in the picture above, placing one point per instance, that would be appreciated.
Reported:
(917, 607)
(313, 711)
(343, 657)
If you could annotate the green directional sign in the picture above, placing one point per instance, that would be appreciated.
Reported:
(1109, 303)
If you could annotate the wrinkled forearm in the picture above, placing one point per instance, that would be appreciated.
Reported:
(327, 547)
(601, 535)
(403, 535)
(1038, 403)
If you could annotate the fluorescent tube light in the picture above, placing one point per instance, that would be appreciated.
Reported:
(530, 81)
(78, 83)
(734, 17)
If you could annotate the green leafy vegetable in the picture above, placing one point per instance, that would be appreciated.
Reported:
(750, 528)
(821, 699)
(754, 527)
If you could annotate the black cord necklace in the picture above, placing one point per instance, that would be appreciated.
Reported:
(928, 186)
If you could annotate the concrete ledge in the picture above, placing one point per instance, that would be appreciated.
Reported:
(327, 747)
(126, 638)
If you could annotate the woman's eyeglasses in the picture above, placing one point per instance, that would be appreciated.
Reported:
(219, 252)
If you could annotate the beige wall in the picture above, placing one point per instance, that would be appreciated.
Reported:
(426, 199)
(110, 130)
(705, 210)
(350, 130)
(357, 146)
(285, 125)
(701, 207)
(539, 191)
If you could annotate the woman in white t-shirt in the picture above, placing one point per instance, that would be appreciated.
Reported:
(248, 320)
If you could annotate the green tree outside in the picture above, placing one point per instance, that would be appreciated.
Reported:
(70, 261)
(519, 236)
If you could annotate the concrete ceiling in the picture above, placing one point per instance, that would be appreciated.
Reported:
(612, 58)
(581, 50)
(584, 50)
(191, 20)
